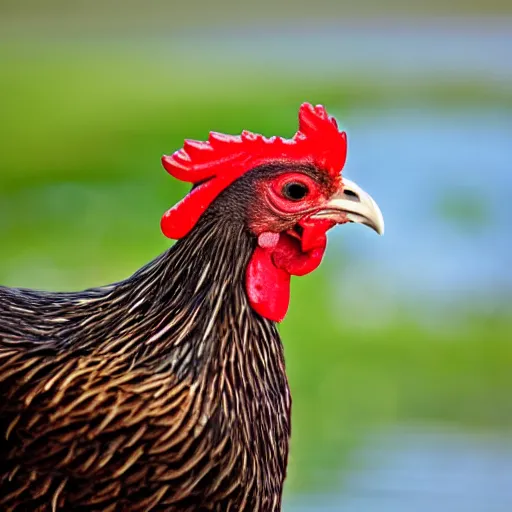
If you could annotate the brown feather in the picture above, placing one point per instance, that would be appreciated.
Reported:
(162, 392)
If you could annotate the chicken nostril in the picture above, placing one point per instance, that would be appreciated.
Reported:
(351, 194)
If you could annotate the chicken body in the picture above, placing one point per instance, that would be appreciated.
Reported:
(167, 391)
(163, 392)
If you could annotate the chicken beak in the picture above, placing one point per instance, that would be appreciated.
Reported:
(353, 204)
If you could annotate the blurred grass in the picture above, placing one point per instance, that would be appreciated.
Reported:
(349, 382)
(82, 191)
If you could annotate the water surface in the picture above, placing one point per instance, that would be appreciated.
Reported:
(422, 470)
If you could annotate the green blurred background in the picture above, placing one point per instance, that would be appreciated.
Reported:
(399, 348)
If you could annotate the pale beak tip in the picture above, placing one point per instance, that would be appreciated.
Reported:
(378, 219)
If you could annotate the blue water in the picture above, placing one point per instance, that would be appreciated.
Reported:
(396, 50)
(422, 470)
(419, 164)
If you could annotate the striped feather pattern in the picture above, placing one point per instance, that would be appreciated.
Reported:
(162, 392)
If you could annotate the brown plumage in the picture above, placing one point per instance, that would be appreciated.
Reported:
(162, 392)
(166, 391)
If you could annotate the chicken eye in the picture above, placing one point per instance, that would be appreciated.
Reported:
(295, 191)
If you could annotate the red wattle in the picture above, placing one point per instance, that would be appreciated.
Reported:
(300, 257)
(314, 232)
(268, 287)
(279, 256)
(287, 258)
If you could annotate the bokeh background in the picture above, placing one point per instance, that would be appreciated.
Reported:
(399, 348)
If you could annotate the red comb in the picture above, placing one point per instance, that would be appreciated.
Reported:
(224, 158)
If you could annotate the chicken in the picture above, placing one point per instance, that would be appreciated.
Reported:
(168, 391)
